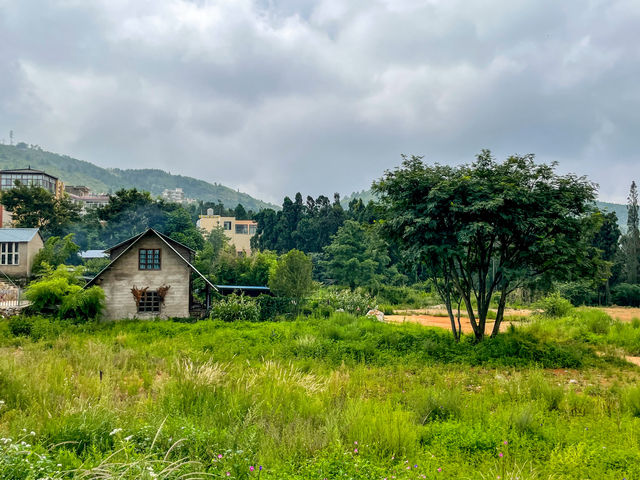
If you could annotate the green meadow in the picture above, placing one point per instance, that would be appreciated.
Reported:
(318, 398)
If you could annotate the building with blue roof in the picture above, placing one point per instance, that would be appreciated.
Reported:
(18, 248)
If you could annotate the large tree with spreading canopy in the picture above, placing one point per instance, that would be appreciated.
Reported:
(487, 228)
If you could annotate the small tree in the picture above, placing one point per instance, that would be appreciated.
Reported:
(292, 276)
(56, 251)
(631, 241)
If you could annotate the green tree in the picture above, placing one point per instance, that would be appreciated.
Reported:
(631, 241)
(33, 206)
(358, 257)
(487, 227)
(56, 251)
(292, 276)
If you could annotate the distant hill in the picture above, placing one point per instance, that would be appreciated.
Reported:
(101, 180)
(620, 210)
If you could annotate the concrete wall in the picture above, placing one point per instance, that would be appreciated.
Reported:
(122, 276)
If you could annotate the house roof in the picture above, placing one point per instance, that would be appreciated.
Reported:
(18, 234)
(137, 237)
(93, 254)
(168, 241)
(27, 170)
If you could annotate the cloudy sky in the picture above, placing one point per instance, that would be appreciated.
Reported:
(274, 97)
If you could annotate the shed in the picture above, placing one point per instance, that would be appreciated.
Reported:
(149, 276)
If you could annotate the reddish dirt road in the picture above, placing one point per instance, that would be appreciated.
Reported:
(441, 322)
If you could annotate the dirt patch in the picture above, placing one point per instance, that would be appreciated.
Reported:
(624, 314)
(441, 322)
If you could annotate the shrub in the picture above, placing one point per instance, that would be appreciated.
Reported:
(271, 307)
(236, 308)
(59, 293)
(356, 302)
(20, 325)
(626, 294)
(578, 293)
(554, 306)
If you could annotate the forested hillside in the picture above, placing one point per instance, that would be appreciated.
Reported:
(77, 172)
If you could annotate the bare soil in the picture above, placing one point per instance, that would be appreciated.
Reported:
(441, 322)
(624, 314)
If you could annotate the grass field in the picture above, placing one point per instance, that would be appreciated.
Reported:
(342, 397)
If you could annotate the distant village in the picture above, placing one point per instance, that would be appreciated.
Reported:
(151, 261)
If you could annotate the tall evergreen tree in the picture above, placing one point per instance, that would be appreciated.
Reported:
(632, 239)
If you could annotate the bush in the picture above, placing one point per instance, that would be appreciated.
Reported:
(59, 293)
(355, 302)
(236, 308)
(554, 306)
(20, 325)
(626, 294)
(578, 293)
(271, 307)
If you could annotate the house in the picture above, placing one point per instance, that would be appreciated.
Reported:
(27, 176)
(18, 248)
(82, 196)
(239, 232)
(149, 276)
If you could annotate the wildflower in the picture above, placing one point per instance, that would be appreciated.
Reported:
(219, 455)
(355, 443)
(505, 442)
(126, 439)
(32, 433)
(355, 450)
(415, 466)
(228, 474)
(501, 455)
(115, 430)
(251, 468)
(260, 468)
(439, 469)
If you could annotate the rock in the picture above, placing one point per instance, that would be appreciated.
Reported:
(376, 313)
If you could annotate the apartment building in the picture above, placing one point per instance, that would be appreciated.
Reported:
(239, 232)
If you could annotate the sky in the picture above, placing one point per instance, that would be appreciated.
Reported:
(275, 97)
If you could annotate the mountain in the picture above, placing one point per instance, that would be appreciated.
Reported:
(620, 210)
(101, 180)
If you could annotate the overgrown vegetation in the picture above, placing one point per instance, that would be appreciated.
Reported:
(337, 397)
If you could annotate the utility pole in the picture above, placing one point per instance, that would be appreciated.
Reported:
(10, 137)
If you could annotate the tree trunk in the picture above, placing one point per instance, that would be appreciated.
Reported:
(500, 313)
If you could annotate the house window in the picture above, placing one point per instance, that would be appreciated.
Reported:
(9, 253)
(242, 229)
(149, 302)
(227, 225)
(149, 259)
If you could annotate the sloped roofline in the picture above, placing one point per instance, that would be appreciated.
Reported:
(35, 230)
(136, 237)
(162, 237)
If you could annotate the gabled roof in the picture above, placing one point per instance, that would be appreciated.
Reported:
(18, 234)
(137, 237)
(168, 241)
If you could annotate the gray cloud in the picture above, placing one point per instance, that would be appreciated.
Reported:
(275, 97)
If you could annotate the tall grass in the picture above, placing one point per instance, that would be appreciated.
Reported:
(342, 397)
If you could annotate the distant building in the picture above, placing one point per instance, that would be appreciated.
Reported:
(18, 248)
(82, 196)
(27, 176)
(176, 195)
(239, 232)
(91, 254)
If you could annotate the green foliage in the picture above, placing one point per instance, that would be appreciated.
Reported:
(20, 325)
(626, 295)
(578, 293)
(273, 307)
(93, 266)
(487, 227)
(33, 206)
(236, 309)
(292, 276)
(355, 302)
(56, 251)
(58, 293)
(554, 305)
(358, 257)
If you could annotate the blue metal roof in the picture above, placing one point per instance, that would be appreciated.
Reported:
(93, 254)
(17, 234)
(242, 287)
